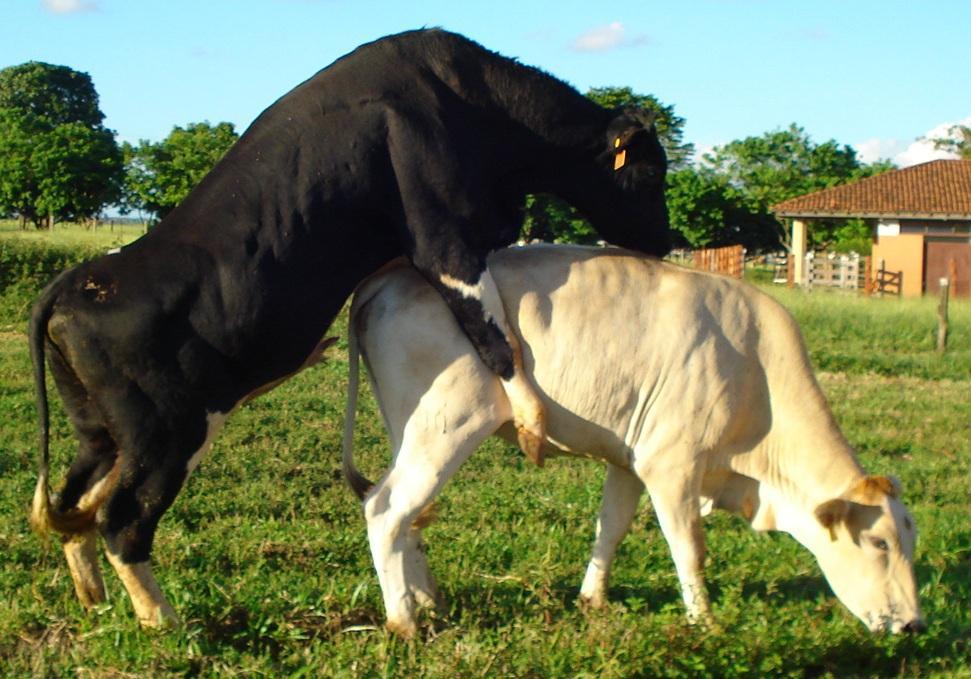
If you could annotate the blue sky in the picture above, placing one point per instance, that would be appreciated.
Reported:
(876, 75)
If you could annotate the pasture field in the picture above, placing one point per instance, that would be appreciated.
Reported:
(105, 235)
(265, 557)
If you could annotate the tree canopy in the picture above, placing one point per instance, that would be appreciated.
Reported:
(57, 160)
(160, 175)
(778, 165)
(958, 141)
(57, 94)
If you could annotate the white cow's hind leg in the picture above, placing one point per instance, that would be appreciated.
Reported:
(436, 441)
(622, 490)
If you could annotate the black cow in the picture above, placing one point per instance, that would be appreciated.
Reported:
(421, 144)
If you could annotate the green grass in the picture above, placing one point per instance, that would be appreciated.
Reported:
(888, 336)
(265, 555)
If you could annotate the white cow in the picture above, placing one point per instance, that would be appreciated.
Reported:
(695, 386)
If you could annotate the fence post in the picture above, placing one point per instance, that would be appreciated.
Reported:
(942, 316)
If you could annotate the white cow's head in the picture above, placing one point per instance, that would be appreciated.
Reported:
(864, 542)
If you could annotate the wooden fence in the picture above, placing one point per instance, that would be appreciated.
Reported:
(831, 270)
(886, 282)
(729, 260)
(837, 271)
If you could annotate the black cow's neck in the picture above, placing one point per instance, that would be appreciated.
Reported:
(549, 108)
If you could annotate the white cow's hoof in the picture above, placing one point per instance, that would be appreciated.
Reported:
(406, 629)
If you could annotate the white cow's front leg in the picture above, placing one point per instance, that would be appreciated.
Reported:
(676, 503)
(622, 490)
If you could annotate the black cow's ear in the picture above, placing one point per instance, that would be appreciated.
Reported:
(646, 117)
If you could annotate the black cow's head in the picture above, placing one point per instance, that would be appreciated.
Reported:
(638, 216)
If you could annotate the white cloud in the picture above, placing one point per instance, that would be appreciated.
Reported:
(920, 150)
(69, 6)
(608, 37)
(872, 150)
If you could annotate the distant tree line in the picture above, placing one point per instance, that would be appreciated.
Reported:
(58, 162)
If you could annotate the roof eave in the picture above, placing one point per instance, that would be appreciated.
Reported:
(821, 214)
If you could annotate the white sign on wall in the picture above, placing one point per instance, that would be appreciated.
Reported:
(888, 228)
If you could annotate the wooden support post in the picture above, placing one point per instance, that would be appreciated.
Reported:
(942, 316)
(799, 251)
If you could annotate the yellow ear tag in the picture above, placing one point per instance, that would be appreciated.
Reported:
(617, 142)
(620, 158)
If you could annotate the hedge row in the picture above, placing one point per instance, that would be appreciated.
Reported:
(26, 267)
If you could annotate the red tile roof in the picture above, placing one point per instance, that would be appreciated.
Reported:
(940, 189)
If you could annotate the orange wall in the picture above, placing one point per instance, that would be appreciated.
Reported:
(903, 253)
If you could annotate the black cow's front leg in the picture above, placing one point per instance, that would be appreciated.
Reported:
(451, 222)
(131, 517)
(471, 293)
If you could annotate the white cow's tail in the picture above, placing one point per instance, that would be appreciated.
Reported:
(357, 481)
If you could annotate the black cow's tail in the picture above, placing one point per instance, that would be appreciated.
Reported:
(357, 481)
(44, 517)
(41, 512)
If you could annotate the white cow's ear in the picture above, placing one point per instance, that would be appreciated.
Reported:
(831, 513)
(873, 490)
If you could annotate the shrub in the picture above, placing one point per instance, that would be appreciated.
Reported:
(26, 267)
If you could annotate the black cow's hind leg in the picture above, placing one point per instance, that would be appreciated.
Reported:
(88, 483)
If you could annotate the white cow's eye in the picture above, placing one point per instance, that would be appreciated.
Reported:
(880, 544)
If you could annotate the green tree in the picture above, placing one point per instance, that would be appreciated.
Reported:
(57, 160)
(707, 211)
(780, 165)
(958, 141)
(158, 176)
(548, 218)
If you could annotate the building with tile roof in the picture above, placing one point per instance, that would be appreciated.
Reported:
(921, 217)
